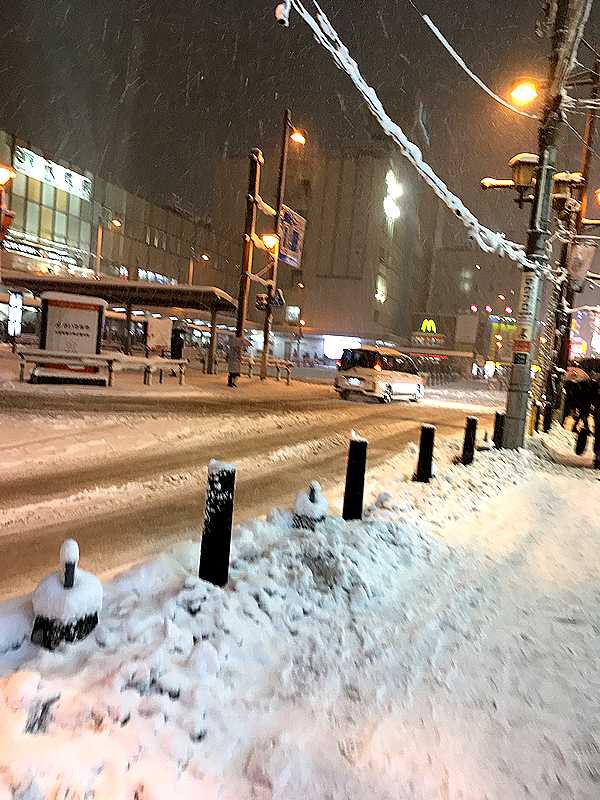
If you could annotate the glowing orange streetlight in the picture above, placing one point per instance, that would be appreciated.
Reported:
(6, 175)
(298, 136)
(524, 92)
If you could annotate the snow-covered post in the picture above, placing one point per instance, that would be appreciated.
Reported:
(424, 471)
(355, 478)
(310, 507)
(67, 603)
(69, 558)
(498, 429)
(218, 518)
(468, 452)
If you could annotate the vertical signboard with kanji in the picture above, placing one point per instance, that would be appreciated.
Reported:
(292, 228)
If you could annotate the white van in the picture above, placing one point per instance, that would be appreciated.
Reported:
(380, 372)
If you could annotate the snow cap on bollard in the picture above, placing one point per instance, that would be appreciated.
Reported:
(66, 604)
(69, 558)
(310, 508)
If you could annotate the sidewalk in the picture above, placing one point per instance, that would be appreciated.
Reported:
(446, 647)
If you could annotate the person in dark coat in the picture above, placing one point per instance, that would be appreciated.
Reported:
(237, 345)
(177, 342)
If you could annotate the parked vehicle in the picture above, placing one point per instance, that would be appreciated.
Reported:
(380, 372)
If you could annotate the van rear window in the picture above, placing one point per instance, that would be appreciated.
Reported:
(369, 359)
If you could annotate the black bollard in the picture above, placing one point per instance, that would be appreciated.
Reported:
(468, 452)
(548, 417)
(69, 575)
(218, 518)
(581, 441)
(498, 429)
(424, 471)
(355, 478)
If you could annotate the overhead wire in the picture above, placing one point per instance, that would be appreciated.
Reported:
(463, 65)
(489, 241)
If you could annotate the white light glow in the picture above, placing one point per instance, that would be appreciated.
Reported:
(391, 208)
(334, 346)
(394, 189)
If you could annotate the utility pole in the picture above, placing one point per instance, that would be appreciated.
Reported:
(564, 42)
(256, 162)
(285, 141)
(562, 321)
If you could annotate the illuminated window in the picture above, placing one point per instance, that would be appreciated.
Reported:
(34, 190)
(32, 224)
(394, 192)
(60, 227)
(48, 195)
(46, 223)
(61, 200)
(381, 289)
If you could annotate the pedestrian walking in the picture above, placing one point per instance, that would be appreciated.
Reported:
(237, 345)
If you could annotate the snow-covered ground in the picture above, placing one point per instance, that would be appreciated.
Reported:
(445, 647)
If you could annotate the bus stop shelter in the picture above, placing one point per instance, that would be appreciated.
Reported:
(128, 294)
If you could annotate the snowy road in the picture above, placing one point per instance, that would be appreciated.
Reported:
(125, 474)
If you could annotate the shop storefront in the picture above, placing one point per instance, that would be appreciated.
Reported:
(51, 230)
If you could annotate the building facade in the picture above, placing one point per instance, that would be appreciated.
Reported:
(68, 220)
(363, 262)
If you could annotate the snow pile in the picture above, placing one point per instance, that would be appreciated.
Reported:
(149, 705)
(52, 601)
(444, 647)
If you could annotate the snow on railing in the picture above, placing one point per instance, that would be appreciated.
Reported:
(488, 241)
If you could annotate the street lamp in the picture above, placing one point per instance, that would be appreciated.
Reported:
(299, 137)
(523, 167)
(524, 92)
(270, 241)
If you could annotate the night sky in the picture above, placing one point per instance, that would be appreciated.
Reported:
(150, 94)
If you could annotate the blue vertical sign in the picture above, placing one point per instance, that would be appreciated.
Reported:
(291, 237)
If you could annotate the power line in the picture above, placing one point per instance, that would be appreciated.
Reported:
(462, 64)
(589, 47)
(487, 240)
(576, 133)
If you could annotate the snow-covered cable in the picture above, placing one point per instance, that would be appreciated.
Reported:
(488, 241)
(440, 36)
(593, 309)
